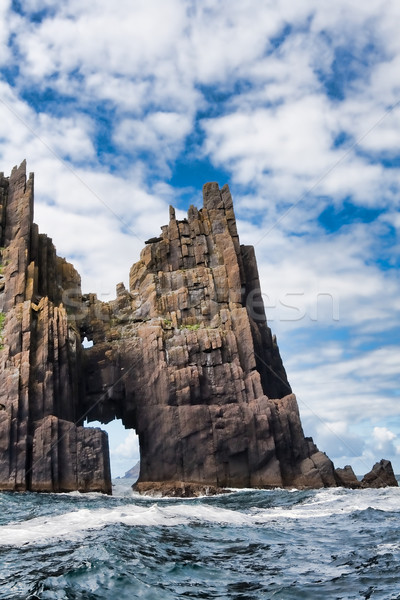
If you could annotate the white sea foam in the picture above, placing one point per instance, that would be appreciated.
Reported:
(388, 548)
(75, 524)
(334, 501)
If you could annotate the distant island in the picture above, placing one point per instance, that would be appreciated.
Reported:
(133, 473)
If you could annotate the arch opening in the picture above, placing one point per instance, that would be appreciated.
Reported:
(87, 343)
(124, 449)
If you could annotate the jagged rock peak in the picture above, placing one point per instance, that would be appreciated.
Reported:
(381, 475)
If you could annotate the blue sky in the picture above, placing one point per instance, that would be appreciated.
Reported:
(123, 108)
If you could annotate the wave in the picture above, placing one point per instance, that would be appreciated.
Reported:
(244, 508)
(76, 523)
(337, 501)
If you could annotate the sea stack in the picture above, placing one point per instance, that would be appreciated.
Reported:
(43, 445)
(184, 356)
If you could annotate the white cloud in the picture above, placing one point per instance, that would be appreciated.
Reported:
(329, 280)
(4, 31)
(121, 38)
(69, 138)
(383, 440)
(289, 150)
(161, 133)
(345, 399)
(99, 221)
(225, 37)
(277, 133)
(96, 219)
(129, 448)
(40, 135)
(249, 141)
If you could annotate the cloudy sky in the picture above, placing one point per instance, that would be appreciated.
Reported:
(121, 108)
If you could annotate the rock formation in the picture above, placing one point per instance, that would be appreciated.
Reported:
(184, 357)
(381, 475)
(42, 444)
(347, 478)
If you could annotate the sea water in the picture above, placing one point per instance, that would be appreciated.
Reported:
(249, 544)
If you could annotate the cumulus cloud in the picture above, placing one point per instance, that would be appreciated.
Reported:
(383, 440)
(151, 60)
(248, 141)
(327, 279)
(350, 388)
(4, 31)
(41, 135)
(160, 133)
(129, 448)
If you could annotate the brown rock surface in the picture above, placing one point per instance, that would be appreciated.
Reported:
(177, 489)
(347, 478)
(381, 475)
(185, 357)
(42, 446)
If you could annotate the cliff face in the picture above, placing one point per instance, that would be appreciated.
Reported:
(42, 445)
(184, 357)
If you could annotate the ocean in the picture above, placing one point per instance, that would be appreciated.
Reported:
(250, 544)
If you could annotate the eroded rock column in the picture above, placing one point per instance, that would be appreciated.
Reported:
(42, 445)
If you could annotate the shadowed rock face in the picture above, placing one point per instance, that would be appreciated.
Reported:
(42, 445)
(184, 357)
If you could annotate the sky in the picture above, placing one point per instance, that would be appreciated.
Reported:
(122, 108)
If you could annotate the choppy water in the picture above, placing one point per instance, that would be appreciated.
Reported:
(331, 543)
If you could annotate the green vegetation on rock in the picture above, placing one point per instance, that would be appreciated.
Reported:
(191, 327)
(2, 320)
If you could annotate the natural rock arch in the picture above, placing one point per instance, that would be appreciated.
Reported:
(190, 366)
(184, 357)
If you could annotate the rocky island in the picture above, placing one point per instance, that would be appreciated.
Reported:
(184, 357)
